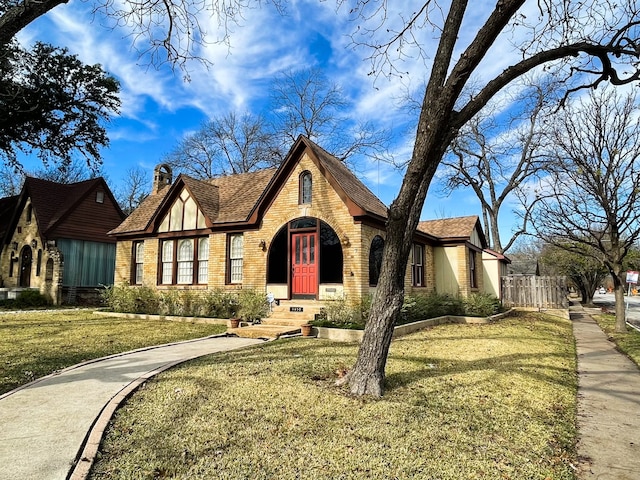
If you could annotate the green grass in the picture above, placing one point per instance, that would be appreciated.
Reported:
(493, 401)
(628, 343)
(34, 344)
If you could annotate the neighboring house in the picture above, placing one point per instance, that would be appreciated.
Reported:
(307, 230)
(55, 237)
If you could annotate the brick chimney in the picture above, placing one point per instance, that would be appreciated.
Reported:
(162, 175)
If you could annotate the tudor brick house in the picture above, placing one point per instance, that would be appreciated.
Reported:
(54, 238)
(307, 230)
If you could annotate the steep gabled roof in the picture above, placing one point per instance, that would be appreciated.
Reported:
(453, 229)
(51, 202)
(8, 206)
(354, 188)
(227, 199)
(141, 217)
(243, 197)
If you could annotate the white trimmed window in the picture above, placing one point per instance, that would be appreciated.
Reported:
(185, 261)
(138, 261)
(203, 260)
(167, 262)
(236, 247)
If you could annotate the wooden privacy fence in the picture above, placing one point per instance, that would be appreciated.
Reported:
(534, 292)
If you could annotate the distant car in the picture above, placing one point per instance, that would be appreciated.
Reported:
(602, 290)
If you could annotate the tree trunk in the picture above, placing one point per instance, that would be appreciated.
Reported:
(618, 289)
(367, 375)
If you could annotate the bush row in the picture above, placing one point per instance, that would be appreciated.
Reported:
(248, 304)
(26, 299)
(342, 314)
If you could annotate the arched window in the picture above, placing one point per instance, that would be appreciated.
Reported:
(185, 261)
(48, 275)
(375, 259)
(305, 188)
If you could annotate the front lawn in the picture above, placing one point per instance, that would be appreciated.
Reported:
(34, 344)
(493, 401)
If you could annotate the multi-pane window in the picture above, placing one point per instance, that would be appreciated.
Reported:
(473, 276)
(236, 242)
(417, 265)
(305, 188)
(203, 260)
(138, 262)
(167, 262)
(185, 261)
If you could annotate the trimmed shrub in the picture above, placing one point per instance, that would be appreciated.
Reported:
(430, 305)
(481, 305)
(340, 314)
(219, 304)
(252, 305)
(31, 298)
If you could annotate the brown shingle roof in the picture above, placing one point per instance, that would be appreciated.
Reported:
(51, 201)
(7, 208)
(239, 193)
(224, 199)
(450, 228)
(141, 216)
(233, 198)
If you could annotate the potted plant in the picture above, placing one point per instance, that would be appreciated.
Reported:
(235, 322)
(306, 329)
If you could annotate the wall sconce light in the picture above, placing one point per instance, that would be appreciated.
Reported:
(345, 241)
(14, 246)
(34, 243)
(263, 245)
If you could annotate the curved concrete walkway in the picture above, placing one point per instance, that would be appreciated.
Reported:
(44, 425)
(608, 404)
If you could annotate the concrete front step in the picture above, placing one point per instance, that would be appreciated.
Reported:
(263, 331)
(294, 322)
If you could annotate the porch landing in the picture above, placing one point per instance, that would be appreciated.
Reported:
(285, 319)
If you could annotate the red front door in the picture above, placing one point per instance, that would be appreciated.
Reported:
(304, 270)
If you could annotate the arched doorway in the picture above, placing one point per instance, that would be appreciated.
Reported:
(305, 253)
(26, 259)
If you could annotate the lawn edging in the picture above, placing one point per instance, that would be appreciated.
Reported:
(350, 335)
(172, 318)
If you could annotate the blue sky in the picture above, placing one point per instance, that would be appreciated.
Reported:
(159, 107)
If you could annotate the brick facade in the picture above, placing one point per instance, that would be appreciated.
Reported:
(330, 204)
(26, 237)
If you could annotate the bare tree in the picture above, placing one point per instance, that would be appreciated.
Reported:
(493, 163)
(590, 202)
(572, 37)
(133, 190)
(76, 171)
(225, 145)
(11, 180)
(305, 102)
(580, 263)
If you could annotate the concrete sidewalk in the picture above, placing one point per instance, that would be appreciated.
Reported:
(608, 404)
(44, 425)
